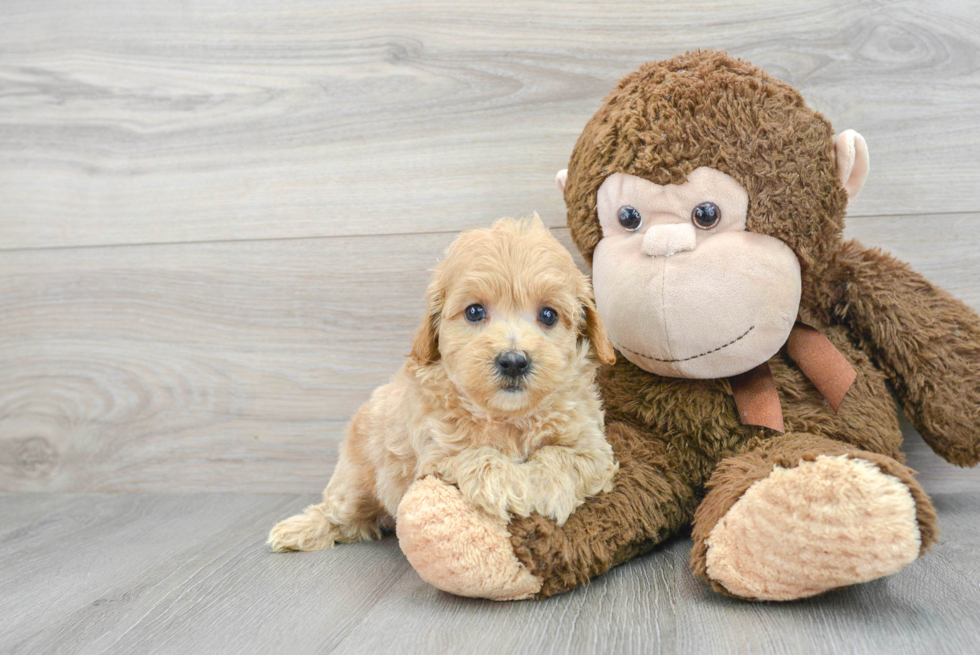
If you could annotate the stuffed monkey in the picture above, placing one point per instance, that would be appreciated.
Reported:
(756, 348)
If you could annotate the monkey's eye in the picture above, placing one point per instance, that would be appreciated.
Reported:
(548, 316)
(475, 313)
(706, 215)
(629, 217)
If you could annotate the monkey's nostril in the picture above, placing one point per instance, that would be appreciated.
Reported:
(512, 364)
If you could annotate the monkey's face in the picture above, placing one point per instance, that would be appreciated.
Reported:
(683, 288)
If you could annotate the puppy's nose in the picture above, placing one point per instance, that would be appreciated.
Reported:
(666, 240)
(512, 364)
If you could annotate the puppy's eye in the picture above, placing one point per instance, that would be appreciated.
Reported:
(706, 215)
(548, 316)
(629, 218)
(475, 313)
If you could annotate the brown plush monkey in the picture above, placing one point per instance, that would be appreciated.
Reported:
(751, 397)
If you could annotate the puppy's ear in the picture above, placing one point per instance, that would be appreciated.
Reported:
(594, 330)
(425, 347)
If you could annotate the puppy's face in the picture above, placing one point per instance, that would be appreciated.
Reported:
(508, 314)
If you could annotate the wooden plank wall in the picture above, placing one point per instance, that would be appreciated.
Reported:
(216, 218)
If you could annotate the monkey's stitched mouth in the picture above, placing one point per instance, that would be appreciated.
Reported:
(687, 359)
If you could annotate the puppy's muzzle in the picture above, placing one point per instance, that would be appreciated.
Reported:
(512, 365)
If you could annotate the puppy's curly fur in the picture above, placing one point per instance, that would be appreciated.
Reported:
(512, 447)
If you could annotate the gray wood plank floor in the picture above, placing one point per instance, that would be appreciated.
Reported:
(189, 573)
(142, 573)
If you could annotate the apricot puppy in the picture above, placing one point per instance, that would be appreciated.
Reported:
(498, 396)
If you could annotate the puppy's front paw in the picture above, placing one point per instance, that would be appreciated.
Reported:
(560, 484)
(307, 531)
(555, 499)
(488, 480)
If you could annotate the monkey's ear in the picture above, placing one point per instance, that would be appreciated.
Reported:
(595, 331)
(425, 347)
(853, 163)
(561, 179)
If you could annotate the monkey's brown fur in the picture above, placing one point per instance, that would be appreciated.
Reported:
(677, 439)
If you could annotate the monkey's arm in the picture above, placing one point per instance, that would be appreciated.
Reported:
(460, 549)
(650, 500)
(926, 341)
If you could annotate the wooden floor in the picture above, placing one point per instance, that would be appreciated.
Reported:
(216, 222)
(189, 573)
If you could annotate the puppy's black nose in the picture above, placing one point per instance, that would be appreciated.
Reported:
(512, 364)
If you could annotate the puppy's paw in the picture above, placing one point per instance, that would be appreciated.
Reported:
(310, 530)
(555, 499)
(560, 485)
(489, 480)
(602, 482)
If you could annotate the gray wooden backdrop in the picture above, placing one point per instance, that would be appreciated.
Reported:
(216, 221)
(216, 218)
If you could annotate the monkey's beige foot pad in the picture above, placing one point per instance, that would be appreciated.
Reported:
(457, 547)
(827, 523)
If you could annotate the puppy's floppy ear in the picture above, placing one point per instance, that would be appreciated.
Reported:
(593, 328)
(425, 347)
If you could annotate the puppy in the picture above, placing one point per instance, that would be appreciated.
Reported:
(498, 396)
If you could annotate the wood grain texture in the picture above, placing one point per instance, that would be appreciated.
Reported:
(216, 221)
(190, 574)
(182, 573)
(235, 366)
(126, 122)
(62, 558)
(136, 368)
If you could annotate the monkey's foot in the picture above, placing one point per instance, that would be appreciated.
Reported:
(459, 548)
(826, 523)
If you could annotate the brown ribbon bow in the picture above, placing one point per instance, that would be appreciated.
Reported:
(828, 370)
